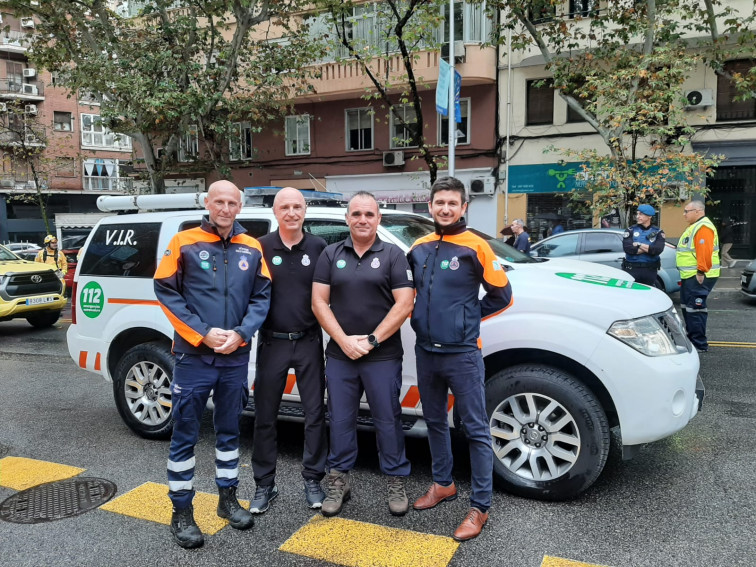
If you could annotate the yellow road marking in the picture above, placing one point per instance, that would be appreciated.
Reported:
(150, 502)
(732, 344)
(561, 562)
(359, 544)
(19, 473)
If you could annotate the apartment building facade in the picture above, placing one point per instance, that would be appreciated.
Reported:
(538, 183)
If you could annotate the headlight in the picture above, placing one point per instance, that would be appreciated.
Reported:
(647, 335)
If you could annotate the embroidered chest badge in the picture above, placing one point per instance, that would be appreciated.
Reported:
(243, 264)
(204, 255)
(454, 264)
(376, 263)
(305, 260)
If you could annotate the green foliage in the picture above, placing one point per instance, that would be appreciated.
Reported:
(621, 65)
(176, 67)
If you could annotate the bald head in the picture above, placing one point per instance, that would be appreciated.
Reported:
(289, 209)
(223, 203)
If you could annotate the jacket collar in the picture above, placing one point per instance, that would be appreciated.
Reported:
(207, 226)
(457, 228)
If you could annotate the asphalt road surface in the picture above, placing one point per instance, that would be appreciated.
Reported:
(684, 501)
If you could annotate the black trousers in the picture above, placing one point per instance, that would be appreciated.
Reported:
(274, 359)
(641, 273)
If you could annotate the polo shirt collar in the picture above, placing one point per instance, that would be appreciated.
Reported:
(279, 245)
(375, 247)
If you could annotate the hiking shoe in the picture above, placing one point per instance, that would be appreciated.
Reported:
(313, 493)
(397, 496)
(263, 496)
(184, 529)
(230, 509)
(338, 491)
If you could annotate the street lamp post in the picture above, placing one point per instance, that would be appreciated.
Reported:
(452, 91)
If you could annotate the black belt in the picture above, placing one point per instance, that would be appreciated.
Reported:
(285, 336)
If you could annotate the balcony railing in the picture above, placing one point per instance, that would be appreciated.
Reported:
(121, 184)
(30, 138)
(14, 39)
(17, 87)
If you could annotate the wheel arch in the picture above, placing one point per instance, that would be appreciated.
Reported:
(498, 361)
(128, 339)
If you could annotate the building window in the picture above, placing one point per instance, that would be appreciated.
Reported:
(298, 135)
(727, 107)
(540, 102)
(101, 174)
(95, 135)
(15, 75)
(402, 134)
(583, 8)
(359, 129)
(188, 149)
(65, 167)
(541, 11)
(240, 141)
(463, 127)
(88, 98)
(62, 121)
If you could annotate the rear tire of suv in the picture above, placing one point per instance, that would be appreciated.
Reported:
(142, 390)
(44, 319)
(550, 433)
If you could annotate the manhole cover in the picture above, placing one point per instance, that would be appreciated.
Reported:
(56, 500)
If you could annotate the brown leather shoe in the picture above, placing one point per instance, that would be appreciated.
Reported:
(435, 495)
(471, 525)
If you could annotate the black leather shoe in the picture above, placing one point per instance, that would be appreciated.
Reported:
(230, 509)
(184, 529)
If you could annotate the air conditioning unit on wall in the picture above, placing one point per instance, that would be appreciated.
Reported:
(483, 185)
(30, 72)
(393, 158)
(30, 109)
(29, 89)
(27, 22)
(699, 98)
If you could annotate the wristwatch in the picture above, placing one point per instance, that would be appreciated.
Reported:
(373, 341)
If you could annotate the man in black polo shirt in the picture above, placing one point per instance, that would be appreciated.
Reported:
(362, 293)
(290, 337)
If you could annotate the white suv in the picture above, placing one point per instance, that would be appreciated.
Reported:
(581, 350)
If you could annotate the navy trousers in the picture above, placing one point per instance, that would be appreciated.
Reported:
(641, 272)
(193, 379)
(274, 358)
(695, 313)
(463, 374)
(382, 381)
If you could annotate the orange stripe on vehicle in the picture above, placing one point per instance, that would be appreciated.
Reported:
(411, 398)
(97, 362)
(451, 403)
(83, 359)
(291, 379)
(123, 301)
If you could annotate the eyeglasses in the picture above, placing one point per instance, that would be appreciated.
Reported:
(686, 211)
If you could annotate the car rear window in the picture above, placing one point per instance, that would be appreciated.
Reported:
(123, 250)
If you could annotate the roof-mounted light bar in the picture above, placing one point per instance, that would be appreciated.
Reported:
(107, 203)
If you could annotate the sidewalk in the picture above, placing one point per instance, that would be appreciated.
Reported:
(729, 278)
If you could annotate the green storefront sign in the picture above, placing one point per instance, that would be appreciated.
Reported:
(545, 178)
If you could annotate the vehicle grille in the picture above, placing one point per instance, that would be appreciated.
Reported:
(747, 282)
(673, 326)
(21, 285)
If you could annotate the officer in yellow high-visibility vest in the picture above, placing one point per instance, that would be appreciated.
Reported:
(698, 262)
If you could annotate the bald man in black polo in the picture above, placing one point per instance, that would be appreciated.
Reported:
(290, 337)
(362, 293)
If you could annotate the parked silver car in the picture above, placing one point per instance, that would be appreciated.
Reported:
(748, 281)
(603, 246)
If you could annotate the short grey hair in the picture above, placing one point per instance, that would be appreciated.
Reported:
(698, 205)
(519, 221)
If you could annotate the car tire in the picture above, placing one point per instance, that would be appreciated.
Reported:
(142, 389)
(44, 319)
(547, 456)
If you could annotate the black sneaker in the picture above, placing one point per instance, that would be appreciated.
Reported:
(313, 493)
(263, 495)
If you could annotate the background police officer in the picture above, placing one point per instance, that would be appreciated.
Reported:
(289, 338)
(643, 244)
(698, 262)
(361, 295)
(214, 286)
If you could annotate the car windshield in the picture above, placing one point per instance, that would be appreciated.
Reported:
(6, 254)
(408, 228)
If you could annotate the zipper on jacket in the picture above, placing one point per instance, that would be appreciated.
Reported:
(215, 272)
(430, 285)
(225, 286)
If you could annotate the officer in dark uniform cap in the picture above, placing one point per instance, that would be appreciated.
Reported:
(643, 244)
(289, 338)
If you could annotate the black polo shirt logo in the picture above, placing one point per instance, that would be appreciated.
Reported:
(305, 260)
(341, 264)
(277, 260)
(375, 264)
